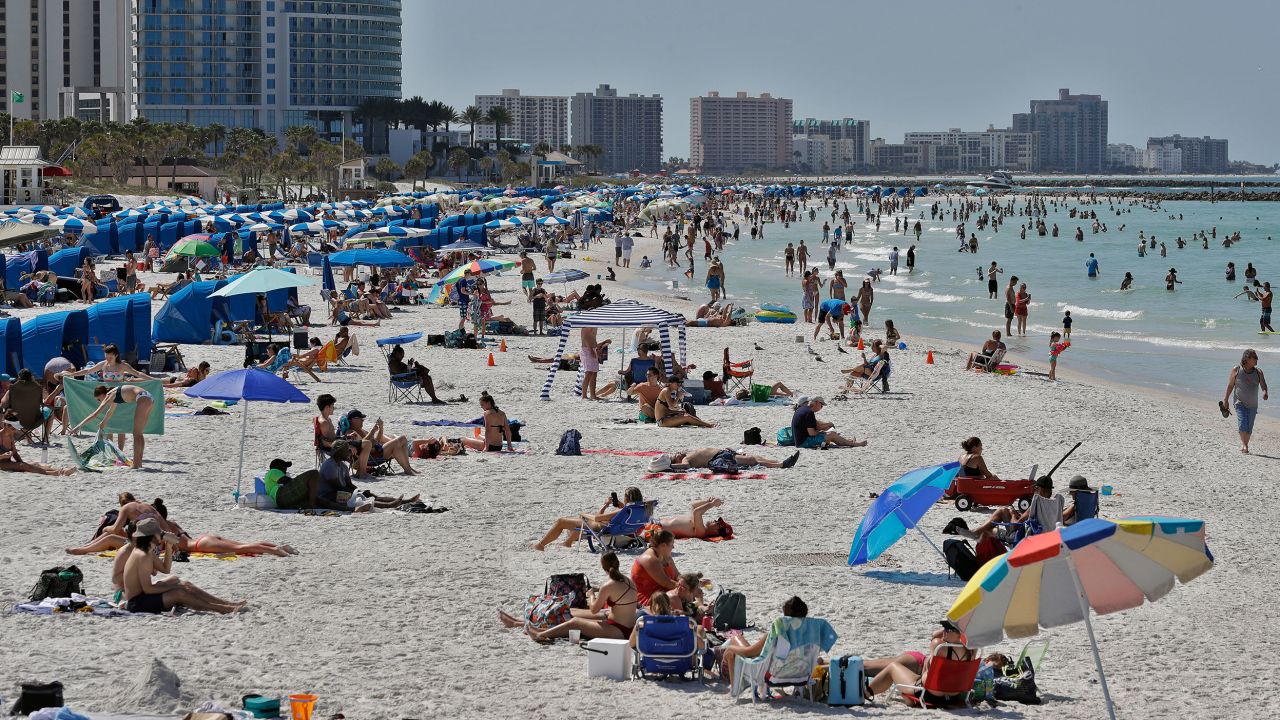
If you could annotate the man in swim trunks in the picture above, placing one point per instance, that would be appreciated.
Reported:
(1010, 302)
(527, 267)
(701, 457)
(1263, 296)
(648, 392)
(830, 311)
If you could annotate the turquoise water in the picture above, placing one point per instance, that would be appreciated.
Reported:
(1185, 341)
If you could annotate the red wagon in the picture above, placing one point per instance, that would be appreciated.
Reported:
(967, 492)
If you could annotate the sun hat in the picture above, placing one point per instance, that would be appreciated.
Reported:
(1079, 483)
(660, 463)
(148, 527)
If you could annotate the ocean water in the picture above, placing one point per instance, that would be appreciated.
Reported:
(1184, 341)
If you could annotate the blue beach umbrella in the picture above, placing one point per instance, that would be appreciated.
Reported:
(326, 275)
(565, 276)
(899, 509)
(246, 385)
(375, 257)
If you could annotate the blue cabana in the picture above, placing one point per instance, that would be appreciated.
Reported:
(124, 320)
(65, 262)
(190, 315)
(45, 337)
(27, 262)
(10, 346)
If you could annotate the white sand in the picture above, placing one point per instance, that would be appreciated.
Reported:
(394, 615)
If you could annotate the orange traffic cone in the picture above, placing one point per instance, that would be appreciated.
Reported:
(492, 363)
(860, 347)
(928, 358)
(502, 345)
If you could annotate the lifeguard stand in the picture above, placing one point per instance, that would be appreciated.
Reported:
(20, 167)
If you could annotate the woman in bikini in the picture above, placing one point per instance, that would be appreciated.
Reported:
(611, 614)
(10, 461)
(497, 429)
(131, 512)
(896, 673)
(194, 376)
(110, 369)
(668, 410)
(109, 399)
(153, 553)
(654, 572)
(971, 462)
(573, 525)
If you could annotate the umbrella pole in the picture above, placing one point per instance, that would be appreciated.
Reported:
(913, 526)
(244, 424)
(1093, 642)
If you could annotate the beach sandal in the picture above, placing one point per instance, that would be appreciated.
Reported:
(1222, 406)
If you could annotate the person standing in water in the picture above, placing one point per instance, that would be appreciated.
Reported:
(1022, 307)
(1242, 387)
(1092, 266)
(789, 255)
(1010, 299)
(1264, 296)
(1171, 279)
(911, 259)
(993, 286)
(1127, 283)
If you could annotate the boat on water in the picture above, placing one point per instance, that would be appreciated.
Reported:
(998, 180)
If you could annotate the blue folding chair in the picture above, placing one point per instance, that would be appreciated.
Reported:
(666, 646)
(623, 530)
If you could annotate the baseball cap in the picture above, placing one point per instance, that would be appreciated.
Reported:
(353, 414)
(1044, 481)
(281, 465)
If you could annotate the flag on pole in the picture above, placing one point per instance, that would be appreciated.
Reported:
(18, 97)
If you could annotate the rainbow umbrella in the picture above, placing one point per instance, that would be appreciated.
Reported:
(1053, 578)
(483, 266)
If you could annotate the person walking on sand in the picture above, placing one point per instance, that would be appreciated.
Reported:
(1242, 387)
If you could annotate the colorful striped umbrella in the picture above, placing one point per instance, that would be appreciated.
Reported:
(899, 509)
(1053, 578)
(483, 266)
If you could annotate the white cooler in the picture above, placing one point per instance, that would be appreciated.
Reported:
(609, 658)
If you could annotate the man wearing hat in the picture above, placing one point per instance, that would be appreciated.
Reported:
(833, 310)
(335, 491)
(1084, 501)
(1045, 513)
(807, 431)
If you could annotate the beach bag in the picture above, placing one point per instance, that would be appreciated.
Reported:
(454, 339)
(988, 547)
(37, 696)
(569, 585)
(544, 611)
(729, 612)
(723, 463)
(960, 558)
(58, 582)
(570, 443)
(845, 681)
(752, 436)
(1020, 689)
(785, 438)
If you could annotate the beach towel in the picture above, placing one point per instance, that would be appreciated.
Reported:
(732, 402)
(80, 403)
(705, 475)
(624, 453)
(194, 555)
(76, 604)
(102, 454)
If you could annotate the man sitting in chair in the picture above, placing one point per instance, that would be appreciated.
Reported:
(989, 356)
(1045, 513)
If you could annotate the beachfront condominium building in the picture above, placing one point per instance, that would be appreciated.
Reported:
(1122, 156)
(1073, 132)
(907, 158)
(962, 151)
(65, 58)
(534, 118)
(268, 64)
(731, 134)
(1199, 154)
(1164, 159)
(831, 146)
(627, 128)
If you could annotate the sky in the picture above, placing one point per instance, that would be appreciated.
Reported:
(1177, 66)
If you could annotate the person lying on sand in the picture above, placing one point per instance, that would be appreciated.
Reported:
(702, 457)
(713, 318)
(114, 536)
(775, 390)
(597, 520)
(11, 461)
(432, 448)
(193, 376)
(611, 612)
(693, 525)
(143, 595)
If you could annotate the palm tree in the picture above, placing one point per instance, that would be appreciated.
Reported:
(542, 149)
(471, 116)
(499, 116)
(415, 113)
(385, 169)
(417, 166)
(217, 134)
(458, 159)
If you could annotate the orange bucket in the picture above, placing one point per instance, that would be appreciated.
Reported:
(301, 706)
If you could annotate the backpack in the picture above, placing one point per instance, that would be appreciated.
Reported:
(960, 558)
(729, 612)
(570, 443)
(752, 436)
(785, 438)
(58, 582)
(544, 611)
(108, 519)
(723, 463)
(38, 696)
(845, 681)
(572, 586)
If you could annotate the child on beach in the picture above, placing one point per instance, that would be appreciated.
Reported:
(1066, 324)
(1056, 347)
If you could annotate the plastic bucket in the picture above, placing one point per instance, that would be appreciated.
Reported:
(301, 706)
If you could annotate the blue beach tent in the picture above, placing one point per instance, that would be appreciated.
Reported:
(45, 337)
(124, 320)
(65, 262)
(27, 262)
(10, 346)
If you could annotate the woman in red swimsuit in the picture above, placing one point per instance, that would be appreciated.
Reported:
(612, 613)
(655, 570)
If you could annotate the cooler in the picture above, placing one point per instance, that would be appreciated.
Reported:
(609, 658)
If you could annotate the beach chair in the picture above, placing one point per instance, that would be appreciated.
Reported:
(990, 364)
(404, 387)
(639, 370)
(1035, 650)
(283, 355)
(1087, 505)
(791, 652)
(666, 646)
(27, 400)
(946, 681)
(622, 531)
(737, 375)
(882, 371)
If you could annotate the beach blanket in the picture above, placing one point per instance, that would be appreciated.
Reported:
(194, 555)
(624, 453)
(478, 422)
(731, 402)
(76, 604)
(705, 475)
(102, 454)
(80, 403)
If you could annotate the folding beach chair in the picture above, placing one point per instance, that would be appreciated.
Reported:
(989, 364)
(737, 375)
(622, 531)
(27, 400)
(404, 387)
(790, 654)
(946, 681)
(1087, 505)
(666, 646)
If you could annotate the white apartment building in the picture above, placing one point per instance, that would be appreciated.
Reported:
(534, 118)
(1162, 159)
(731, 134)
(1123, 155)
(977, 151)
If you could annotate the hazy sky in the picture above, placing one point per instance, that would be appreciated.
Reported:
(1178, 66)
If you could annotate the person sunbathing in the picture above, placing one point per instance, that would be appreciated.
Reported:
(115, 536)
(194, 375)
(900, 674)
(777, 389)
(304, 361)
(497, 428)
(694, 526)
(375, 444)
(737, 646)
(331, 487)
(397, 365)
(432, 448)
(868, 367)
(702, 457)
(983, 357)
(143, 595)
(669, 410)
(723, 318)
(596, 520)
(610, 614)
(1003, 521)
(912, 660)
(11, 461)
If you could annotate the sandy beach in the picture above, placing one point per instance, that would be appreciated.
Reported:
(393, 615)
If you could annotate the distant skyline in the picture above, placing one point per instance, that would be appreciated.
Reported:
(1165, 67)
